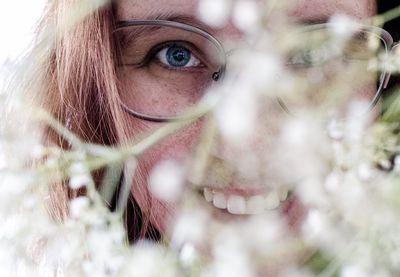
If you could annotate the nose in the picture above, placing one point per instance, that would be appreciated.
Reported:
(244, 144)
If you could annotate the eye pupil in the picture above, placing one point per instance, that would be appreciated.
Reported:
(178, 56)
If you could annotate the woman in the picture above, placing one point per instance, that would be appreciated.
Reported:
(92, 66)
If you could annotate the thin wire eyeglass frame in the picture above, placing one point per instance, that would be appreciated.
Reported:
(385, 37)
(384, 78)
(177, 25)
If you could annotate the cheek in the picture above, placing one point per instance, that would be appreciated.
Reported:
(176, 147)
(144, 96)
(368, 91)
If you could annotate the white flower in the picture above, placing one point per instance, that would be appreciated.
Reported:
(104, 246)
(13, 185)
(78, 205)
(343, 25)
(63, 247)
(214, 12)
(246, 15)
(301, 148)
(262, 70)
(12, 225)
(359, 118)
(317, 228)
(237, 115)
(167, 180)
(188, 254)
(397, 163)
(80, 176)
(149, 260)
(260, 231)
(365, 172)
(189, 228)
(38, 151)
(79, 181)
(336, 130)
(230, 256)
(354, 271)
(333, 182)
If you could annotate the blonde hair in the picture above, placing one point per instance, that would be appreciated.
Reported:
(76, 82)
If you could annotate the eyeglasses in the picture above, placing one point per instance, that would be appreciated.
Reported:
(324, 59)
(166, 67)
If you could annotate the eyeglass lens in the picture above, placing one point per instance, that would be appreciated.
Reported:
(165, 70)
(336, 71)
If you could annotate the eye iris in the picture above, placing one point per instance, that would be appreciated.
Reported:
(178, 56)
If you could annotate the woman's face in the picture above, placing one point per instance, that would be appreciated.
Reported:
(233, 198)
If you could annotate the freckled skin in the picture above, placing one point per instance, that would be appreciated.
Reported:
(177, 145)
(129, 9)
(305, 9)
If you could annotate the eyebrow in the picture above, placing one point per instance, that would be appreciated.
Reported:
(311, 20)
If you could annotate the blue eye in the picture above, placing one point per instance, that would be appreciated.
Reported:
(177, 56)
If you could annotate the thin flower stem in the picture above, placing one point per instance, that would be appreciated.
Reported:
(381, 19)
(157, 136)
(191, 116)
(203, 151)
(124, 153)
(129, 174)
(44, 116)
(110, 180)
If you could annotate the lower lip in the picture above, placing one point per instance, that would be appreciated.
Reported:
(242, 202)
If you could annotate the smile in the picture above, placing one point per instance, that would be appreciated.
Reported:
(245, 202)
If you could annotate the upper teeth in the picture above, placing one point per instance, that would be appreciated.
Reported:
(240, 205)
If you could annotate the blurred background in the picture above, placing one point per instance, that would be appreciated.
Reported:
(18, 19)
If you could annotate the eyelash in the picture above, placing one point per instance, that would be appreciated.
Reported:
(152, 54)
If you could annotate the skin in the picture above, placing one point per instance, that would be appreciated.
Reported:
(177, 146)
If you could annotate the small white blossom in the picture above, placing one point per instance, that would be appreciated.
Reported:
(38, 151)
(397, 163)
(333, 182)
(354, 271)
(231, 257)
(262, 70)
(343, 25)
(13, 185)
(80, 176)
(318, 229)
(296, 132)
(79, 181)
(167, 180)
(386, 164)
(365, 172)
(336, 130)
(189, 228)
(78, 205)
(78, 168)
(188, 254)
(246, 15)
(237, 115)
(149, 260)
(214, 13)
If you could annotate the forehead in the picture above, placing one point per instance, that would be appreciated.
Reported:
(304, 9)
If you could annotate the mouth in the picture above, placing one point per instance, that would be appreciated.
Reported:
(239, 201)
